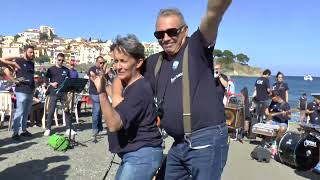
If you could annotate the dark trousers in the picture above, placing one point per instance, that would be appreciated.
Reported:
(261, 107)
(36, 113)
(201, 156)
(54, 98)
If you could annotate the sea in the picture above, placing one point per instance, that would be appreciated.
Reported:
(297, 85)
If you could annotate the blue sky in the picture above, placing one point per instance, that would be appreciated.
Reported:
(277, 34)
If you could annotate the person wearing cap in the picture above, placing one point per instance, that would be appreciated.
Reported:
(313, 111)
(302, 104)
(73, 72)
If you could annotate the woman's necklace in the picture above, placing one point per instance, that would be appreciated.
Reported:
(137, 78)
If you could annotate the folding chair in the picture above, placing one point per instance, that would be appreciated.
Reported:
(6, 107)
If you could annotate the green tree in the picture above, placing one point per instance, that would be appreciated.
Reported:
(242, 58)
(217, 53)
(16, 37)
(228, 54)
(42, 59)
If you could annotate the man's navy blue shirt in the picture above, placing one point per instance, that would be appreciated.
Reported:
(206, 107)
(262, 84)
(92, 87)
(315, 116)
(57, 74)
(138, 116)
(27, 72)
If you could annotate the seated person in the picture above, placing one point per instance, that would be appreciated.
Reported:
(278, 113)
(38, 104)
(313, 111)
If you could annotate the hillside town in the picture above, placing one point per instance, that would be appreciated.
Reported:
(49, 44)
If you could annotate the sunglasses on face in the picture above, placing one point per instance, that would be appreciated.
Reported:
(60, 60)
(101, 62)
(172, 32)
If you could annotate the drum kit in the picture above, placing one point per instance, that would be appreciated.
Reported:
(300, 151)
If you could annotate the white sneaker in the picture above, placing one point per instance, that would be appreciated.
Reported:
(46, 132)
(72, 132)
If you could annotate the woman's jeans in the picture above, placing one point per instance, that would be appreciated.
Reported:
(140, 165)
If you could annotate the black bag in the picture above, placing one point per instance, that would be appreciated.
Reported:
(261, 154)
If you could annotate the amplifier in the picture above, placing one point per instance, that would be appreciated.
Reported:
(234, 116)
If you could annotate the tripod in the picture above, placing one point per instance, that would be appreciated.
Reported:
(72, 85)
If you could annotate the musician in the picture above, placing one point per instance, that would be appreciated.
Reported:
(24, 90)
(55, 76)
(278, 105)
(313, 111)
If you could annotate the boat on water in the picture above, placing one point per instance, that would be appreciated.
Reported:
(308, 78)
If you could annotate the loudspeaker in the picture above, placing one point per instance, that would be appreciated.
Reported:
(234, 116)
(260, 154)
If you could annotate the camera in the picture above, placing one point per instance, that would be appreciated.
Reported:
(216, 74)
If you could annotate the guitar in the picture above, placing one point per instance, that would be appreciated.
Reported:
(269, 117)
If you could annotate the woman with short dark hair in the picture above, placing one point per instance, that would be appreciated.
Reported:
(131, 118)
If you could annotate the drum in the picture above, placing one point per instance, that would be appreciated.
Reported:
(265, 129)
(299, 151)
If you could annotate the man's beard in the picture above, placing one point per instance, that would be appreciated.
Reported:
(29, 57)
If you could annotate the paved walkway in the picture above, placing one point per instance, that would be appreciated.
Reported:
(33, 159)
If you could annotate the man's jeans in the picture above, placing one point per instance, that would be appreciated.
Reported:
(24, 104)
(201, 156)
(96, 114)
(140, 165)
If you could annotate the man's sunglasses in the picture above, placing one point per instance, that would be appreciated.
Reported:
(101, 62)
(172, 32)
(61, 60)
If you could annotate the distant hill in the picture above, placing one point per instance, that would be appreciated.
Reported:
(236, 69)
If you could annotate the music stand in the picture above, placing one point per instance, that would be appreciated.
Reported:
(72, 85)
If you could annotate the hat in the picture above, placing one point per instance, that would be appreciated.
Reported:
(304, 94)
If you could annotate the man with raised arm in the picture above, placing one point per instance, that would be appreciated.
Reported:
(201, 153)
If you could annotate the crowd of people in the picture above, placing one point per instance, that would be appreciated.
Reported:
(177, 86)
(272, 107)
